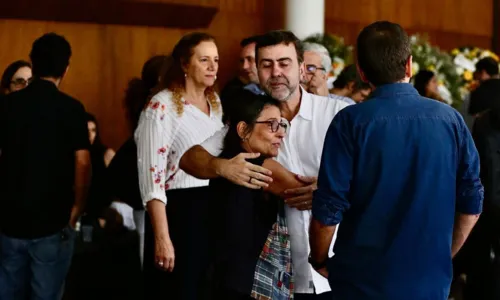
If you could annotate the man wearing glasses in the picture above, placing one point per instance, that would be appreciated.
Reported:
(280, 66)
(318, 65)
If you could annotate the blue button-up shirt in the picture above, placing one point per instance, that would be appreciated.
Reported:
(395, 170)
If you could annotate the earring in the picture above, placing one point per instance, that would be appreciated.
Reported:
(215, 77)
(185, 75)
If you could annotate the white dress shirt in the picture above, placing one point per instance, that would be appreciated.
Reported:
(162, 137)
(301, 154)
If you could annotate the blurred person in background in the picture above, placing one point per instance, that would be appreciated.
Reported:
(426, 83)
(349, 84)
(16, 76)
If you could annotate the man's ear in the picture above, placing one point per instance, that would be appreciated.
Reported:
(362, 74)
(408, 67)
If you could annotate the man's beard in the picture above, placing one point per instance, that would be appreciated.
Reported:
(284, 81)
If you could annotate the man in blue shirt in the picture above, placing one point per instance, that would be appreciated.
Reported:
(402, 175)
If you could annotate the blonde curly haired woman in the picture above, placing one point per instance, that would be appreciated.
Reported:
(183, 113)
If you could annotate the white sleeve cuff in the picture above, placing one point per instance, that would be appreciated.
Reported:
(154, 196)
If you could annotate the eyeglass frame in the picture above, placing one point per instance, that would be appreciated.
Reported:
(21, 81)
(316, 68)
(283, 123)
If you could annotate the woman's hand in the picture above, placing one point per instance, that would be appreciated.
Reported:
(164, 249)
(164, 254)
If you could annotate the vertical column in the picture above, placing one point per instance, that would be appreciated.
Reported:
(496, 27)
(305, 17)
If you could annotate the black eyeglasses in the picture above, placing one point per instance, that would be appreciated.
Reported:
(18, 82)
(313, 68)
(275, 124)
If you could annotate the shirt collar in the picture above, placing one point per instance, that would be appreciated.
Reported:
(305, 110)
(392, 89)
(38, 82)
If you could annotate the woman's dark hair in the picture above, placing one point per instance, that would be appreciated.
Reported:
(421, 80)
(97, 147)
(383, 50)
(173, 77)
(9, 73)
(248, 110)
(139, 89)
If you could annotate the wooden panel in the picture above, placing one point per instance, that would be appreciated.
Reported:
(496, 26)
(117, 12)
(106, 57)
(449, 23)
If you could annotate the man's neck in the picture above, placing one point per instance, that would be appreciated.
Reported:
(55, 81)
(290, 108)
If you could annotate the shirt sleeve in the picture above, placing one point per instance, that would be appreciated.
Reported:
(215, 143)
(470, 191)
(154, 137)
(79, 135)
(330, 200)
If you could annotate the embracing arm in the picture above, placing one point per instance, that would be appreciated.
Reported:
(200, 163)
(283, 179)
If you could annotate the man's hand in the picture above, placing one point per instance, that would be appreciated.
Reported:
(301, 198)
(241, 172)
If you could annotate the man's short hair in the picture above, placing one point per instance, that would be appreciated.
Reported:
(326, 61)
(50, 56)
(489, 65)
(249, 40)
(383, 50)
(277, 37)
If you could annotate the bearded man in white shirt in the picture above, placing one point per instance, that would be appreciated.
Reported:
(279, 57)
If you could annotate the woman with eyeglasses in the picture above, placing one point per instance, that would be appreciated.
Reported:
(246, 220)
(15, 77)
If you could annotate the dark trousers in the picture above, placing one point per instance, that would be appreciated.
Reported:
(35, 268)
(188, 215)
(474, 259)
(227, 294)
(324, 296)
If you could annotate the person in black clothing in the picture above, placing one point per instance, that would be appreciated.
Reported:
(244, 217)
(476, 261)
(98, 197)
(44, 177)
(487, 74)
(123, 179)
